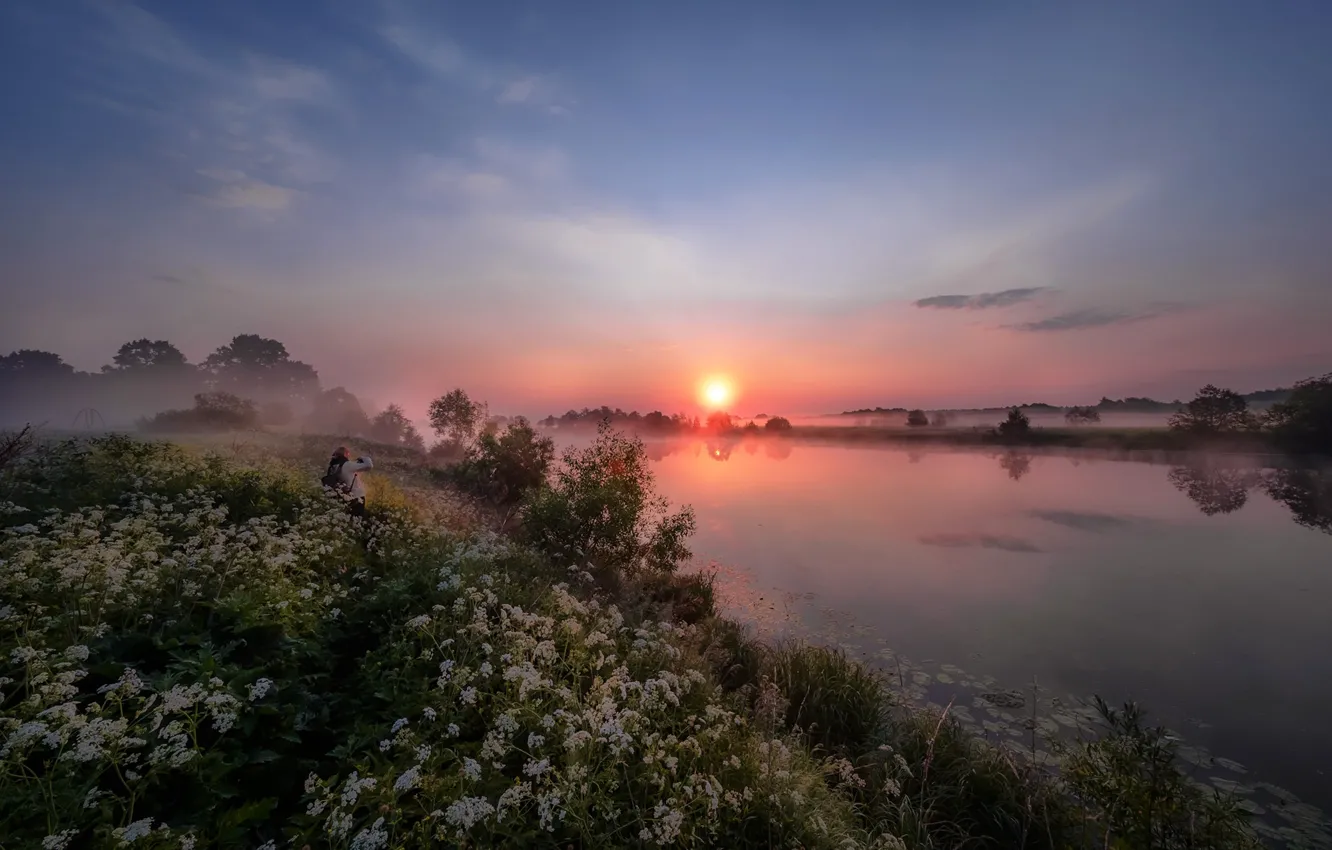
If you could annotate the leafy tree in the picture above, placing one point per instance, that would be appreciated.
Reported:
(720, 422)
(1303, 422)
(455, 417)
(275, 413)
(1214, 411)
(602, 509)
(212, 411)
(339, 411)
(777, 424)
(32, 363)
(1082, 415)
(261, 368)
(940, 419)
(392, 426)
(146, 354)
(505, 467)
(917, 419)
(1016, 425)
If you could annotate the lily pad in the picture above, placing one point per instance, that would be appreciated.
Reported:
(945, 678)
(1004, 699)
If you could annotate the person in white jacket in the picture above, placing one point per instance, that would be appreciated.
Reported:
(344, 476)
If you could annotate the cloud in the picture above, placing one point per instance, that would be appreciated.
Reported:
(982, 301)
(964, 540)
(239, 190)
(1095, 317)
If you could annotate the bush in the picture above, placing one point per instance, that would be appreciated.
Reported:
(1303, 422)
(215, 411)
(1214, 411)
(504, 467)
(392, 426)
(601, 510)
(1016, 425)
(917, 419)
(777, 424)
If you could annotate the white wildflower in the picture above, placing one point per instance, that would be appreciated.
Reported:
(471, 769)
(409, 779)
(129, 834)
(468, 811)
(259, 689)
(372, 838)
(59, 840)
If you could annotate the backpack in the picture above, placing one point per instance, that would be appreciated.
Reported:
(333, 477)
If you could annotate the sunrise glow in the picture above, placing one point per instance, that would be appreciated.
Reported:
(716, 393)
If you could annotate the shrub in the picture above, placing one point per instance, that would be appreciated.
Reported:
(601, 509)
(214, 411)
(1303, 422)
(777, 424)
(917, 419)
(1016, 425)
(15, 445)
(1214, 411)
(392, 426)
(504, 467)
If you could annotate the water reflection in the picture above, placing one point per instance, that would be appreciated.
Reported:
(1214, 490)
(1015, 463)
(1306, 493)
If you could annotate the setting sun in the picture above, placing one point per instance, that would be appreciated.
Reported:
(716, 392)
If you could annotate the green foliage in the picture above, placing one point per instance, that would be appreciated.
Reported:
(454, 417)
(835, 703)
(1303, 422)
(601, 510)
(917, 419)
(505, 467)
(777, 424)
(1130, 782)
(1214, 411)
(147, 354)
(212, 411)
(1016, 425)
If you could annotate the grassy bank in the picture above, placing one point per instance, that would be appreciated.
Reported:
(201, 650)
(1113, 439)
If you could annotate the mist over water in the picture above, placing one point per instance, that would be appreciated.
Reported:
(1198, 589)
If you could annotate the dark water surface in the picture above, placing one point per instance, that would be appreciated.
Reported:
(1203, 590)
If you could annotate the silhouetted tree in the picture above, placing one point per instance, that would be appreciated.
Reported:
(391, 425)
(719, 422)
(278, 414)
(917, 419)
(260, 368)
(777, 424)
(1303, 422)
(940, 420)
(212, 411)
(1214, 491)
(339, 411)
(146, 354)
(455, 417)
(1016, 425)
(1082, 415)
(1214, 411)
(30, 363)
(1306, 493)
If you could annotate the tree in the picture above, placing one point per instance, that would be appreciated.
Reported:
(777, 425)
(392, 426)
(719, 422)
(940, 419)
(1214, 411)
(602, 509)
(212, 411)
(1016, 425)
(455, 417)
(339, 411)
(1082, 415)
(276, 414)
(917, 419)
(1303, 422)
(146, 354)
(260, 368)
(505, 467)
(29, 363)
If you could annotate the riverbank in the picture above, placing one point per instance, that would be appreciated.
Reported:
(206, 652)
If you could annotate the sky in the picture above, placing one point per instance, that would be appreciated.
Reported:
(834, 205)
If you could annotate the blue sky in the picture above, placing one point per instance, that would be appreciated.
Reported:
(557, 205)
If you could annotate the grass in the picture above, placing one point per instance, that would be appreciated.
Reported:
(200, 649)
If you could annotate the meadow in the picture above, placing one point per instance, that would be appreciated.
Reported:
(198, 648)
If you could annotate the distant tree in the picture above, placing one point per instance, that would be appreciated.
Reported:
(339, 411)
(1082, 415)
(549, 422)
(751, 428)
(31, 363)
(455, 417)
(212, 411)
(917, 419)
(777, 424)
(392, 426)
(761, 416)
(277, 414)
(940, 419)
(260, 368)
(1214, 411)
(493, 424)
(720, 422)
(1303, 422)
(146, 354)
(1017, 424)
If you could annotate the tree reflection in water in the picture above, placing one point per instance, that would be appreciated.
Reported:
(1214, 490)
(1015, 463)
(777, 448)
(1306, 493)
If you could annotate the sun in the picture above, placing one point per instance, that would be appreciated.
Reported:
(717, 392)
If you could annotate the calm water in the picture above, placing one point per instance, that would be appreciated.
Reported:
(1190, 589)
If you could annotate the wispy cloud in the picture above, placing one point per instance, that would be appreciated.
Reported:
(238, 190)
(981, 301)
(1095, 317)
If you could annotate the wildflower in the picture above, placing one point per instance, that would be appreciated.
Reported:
(534, 740)
(409, 779)
(468, 696)
(372, 838)
(397, 725)
(428, 713)
(468, 811)
(129, 834)
(536, 768)
(59, 840)
(471, 769)
(452, 730)
(418, 622)
(259, 689)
